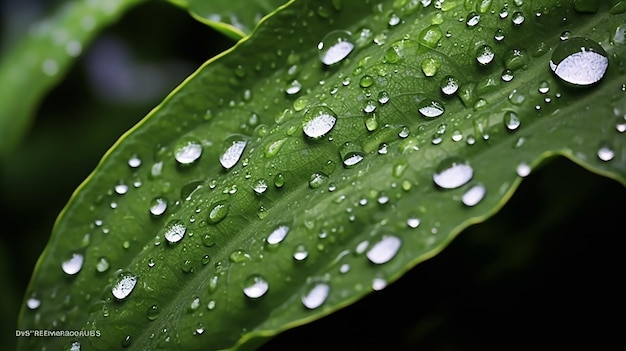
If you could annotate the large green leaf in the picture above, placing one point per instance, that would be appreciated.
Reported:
(38, 60)
(222, 252)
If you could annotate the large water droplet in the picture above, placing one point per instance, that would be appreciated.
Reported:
(187, 151)
(255, 286)
(278, 235)
(318, 121)
(158, 206)
(218, 212)
(430, 108)
(235, 147)
(579, 61)
(124, 285)
(485, 55)
(452, 172)
(74, 264)
(316, 296)
(175, 231)
(474, 195)
(335, 47)
(384, 250)
(511, 121)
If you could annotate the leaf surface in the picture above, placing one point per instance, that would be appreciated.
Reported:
(350, 172)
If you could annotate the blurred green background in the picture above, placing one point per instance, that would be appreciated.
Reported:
(546, 272)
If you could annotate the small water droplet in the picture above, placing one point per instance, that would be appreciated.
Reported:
(394, 20)
(255, 286)
(153, 312)
(474, 195)
(369, 107)
(517, 18)
(499, 35)
(351, 154)
(383, 97)
(579, 61)
(235, 147)
(484, 55)
(279, 180)
(134, 162)
(293, 88)
(413, 222)
(523, 170)
(605, 152)
(102, 265)
(384, 250)
(507, 75)
(335, 47)
(74, 264)
(316, 296)
(218, 212)
(318, 121)
(366, 81)
(378, 284)
(431, 36)
(158, 206)
(430, 66)
(472, 19)
(124, 285)
(452, 172)
(187, 151)
(317, 179)
(175, 231)
(239, 256)
(260, 186)
(278, 235)
(511, 121)
(33, 303)
(449, 85)
(431, 109)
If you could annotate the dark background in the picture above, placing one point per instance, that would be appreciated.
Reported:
(546, 272)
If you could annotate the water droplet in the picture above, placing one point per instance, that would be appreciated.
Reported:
(472, 19)
(484, 55)
(371, 122)
(278, 235)
(383, 97)
(293, 88)
(507, 75)
(75, 346)
(255, 286)
(235, 147)
(449, 85)
(394, 20)
(279, 180)
(124, 285)
(430, 66)
(153, 312)
(33, 303)
(474, 195)
(523, 170)
(194, 305)
(335, 47)
(351, 154)
(301, 253)
(239, 256)
(134, 162)
(511, 121)
(605, 152)
(384, 250)
(102, 265)
(452, 172)
(260, 186)
(499, 36)
(74, 264)
(579, 61)
(366, 81)
(158, 206)
(369, 107)
(378, 284)
(430, 109)
(316, 296)
(175, 231)
(517, 18)
(317, 179)
(431, 36)
(187, 151)
(413, 222)
(318, 121)
(218, 212)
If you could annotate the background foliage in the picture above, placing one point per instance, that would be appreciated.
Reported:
(527, 272)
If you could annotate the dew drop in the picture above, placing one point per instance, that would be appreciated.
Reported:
(317, 179)
(605, 152)
(370, 106)
(449, 85)
(316, 296)
(239, 256)
(218, 212)
(134, 162)
(124, 285)
(74, 264)
(335, 47)
(507, 75)
(383, 97)
(153, 312)
(279, 180)
(260, 187)
(102, 265)
(484, 55)
(75, 346)
(293, 88)
(474, 195)
(523, 170)
(579, 61)
(517, 18)
(430, 109)
(318, 121)
(366, 81)
(430, 66)
(472, 19)
(255, 286)
(187, 151)
(413, 222)
(452, 172)
(278, 235)
(511, 121)
(33, 303)
(301, 253)
(351, 154)
(431, 36)
(175, 231)
(378, 284)
(234, 150)
(384, 250)
(499, 36)
(158, 206)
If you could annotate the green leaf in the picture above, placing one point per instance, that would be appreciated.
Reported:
(39, 59)
(176, 241)
(235, 19)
